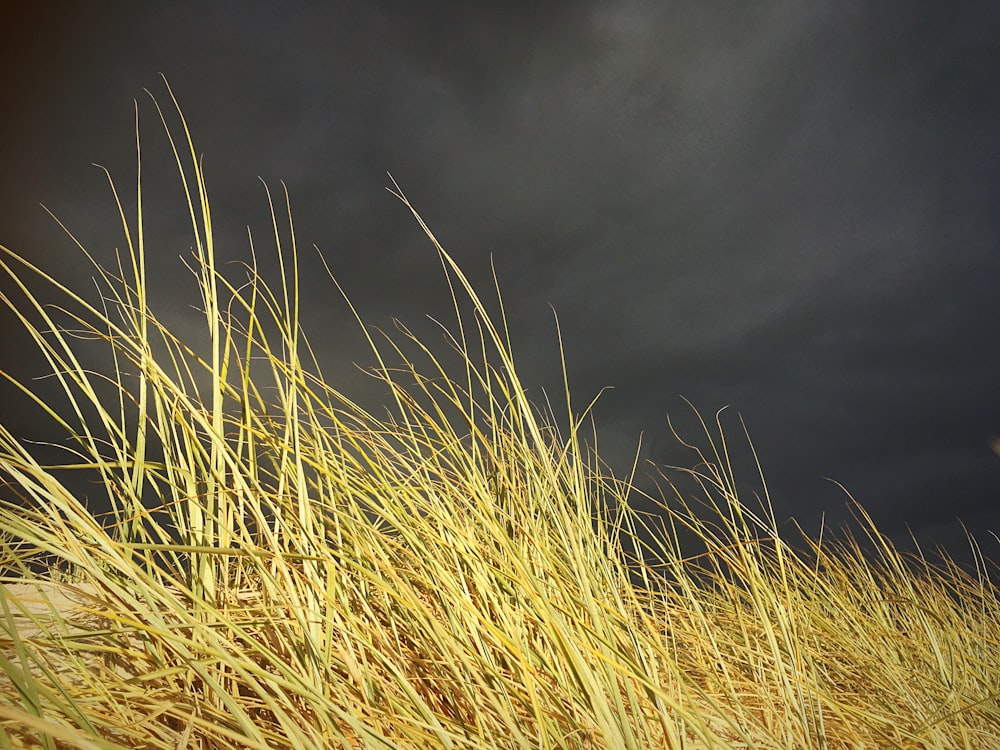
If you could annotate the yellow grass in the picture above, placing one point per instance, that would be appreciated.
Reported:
(284, 569)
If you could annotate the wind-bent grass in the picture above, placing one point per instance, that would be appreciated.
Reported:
(457, 574)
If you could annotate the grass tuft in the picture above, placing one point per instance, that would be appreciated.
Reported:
(284, 569)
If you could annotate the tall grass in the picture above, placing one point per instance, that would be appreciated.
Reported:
(285, 569)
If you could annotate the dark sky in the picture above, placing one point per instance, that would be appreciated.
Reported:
(787, 208)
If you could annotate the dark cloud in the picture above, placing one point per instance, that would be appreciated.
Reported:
(787, 208)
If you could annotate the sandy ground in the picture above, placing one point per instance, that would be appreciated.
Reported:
(31, 605)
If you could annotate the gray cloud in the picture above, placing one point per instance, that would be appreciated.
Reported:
(789, 208)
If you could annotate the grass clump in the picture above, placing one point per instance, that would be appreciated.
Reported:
(284, 569)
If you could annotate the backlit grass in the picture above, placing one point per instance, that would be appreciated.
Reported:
(285, 569)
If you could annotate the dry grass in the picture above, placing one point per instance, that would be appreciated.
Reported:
(456, 574)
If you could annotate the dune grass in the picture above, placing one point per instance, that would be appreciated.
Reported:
(285, 569)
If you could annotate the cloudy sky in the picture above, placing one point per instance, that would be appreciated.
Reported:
(790, 209)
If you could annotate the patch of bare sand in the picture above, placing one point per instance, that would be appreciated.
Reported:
(37, 605)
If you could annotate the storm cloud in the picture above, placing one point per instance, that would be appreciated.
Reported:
(786, 208)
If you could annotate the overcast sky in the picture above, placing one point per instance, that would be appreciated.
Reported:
(787, 208)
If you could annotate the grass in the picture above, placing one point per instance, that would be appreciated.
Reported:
(284, 569)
